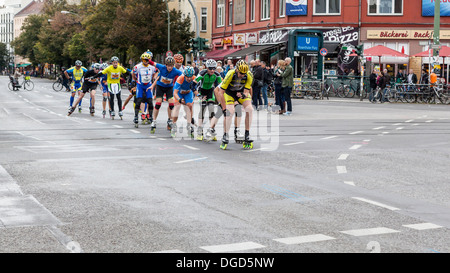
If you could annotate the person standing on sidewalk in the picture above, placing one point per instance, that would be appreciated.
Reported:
(287, 84)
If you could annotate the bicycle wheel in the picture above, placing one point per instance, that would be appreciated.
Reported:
(28, 85)
(340, 91)
(349, 92)
(57, 86)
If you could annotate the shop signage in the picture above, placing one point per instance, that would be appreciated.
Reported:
(274, 36)
(227, 41)
(305, 43)
(239, 39)
(252, 38)
(428, 8)
(296, 7)
(399, 34)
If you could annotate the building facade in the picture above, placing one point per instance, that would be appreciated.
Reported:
(274, 29)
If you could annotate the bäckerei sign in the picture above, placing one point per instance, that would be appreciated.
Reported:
(408, 34)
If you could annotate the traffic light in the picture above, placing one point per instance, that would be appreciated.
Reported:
(359, 50)
(195, 44)
(202, 44)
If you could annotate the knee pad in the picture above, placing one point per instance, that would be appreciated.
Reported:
(226, 113)
(158, 105)
(171, 105)
(105, 98)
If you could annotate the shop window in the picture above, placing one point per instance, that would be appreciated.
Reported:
(327, 7)
(385, 7)
(282, 8)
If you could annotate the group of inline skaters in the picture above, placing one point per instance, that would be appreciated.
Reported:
(179, 85)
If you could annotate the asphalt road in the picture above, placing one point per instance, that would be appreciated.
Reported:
(336, 176)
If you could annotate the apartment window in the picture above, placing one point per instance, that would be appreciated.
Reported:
(204, 26)
(327, 7)
(385, 7)
(220, 13)
(265, 9)
(282, 8)
(252, 10)
(230, 13)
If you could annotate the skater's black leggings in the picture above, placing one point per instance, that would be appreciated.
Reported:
(119, 101)
(138, 102)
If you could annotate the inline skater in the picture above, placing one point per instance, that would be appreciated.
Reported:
(236, 87)
(143, 74)
(89, 85)
(168, 74)
(114, 72)
(105, 93)
(179, 59)
(76, 74)
(207, 79)
(184, 95)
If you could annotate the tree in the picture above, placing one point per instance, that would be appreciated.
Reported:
(24, 45)
(4, 56)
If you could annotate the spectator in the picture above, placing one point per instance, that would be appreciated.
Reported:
(373, 85)
(258, 83)
(382, 83)
(424, 77)
(277, 82)
(412, 78)
(400, 78)
(219, 69)
(196, 70)
(433, 78)
(228, 66)
(267, 81)
(287, 84)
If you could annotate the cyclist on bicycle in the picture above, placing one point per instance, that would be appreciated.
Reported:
(76, 73)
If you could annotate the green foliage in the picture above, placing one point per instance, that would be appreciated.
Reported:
(90, 32)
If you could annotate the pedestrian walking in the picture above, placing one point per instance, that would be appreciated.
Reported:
(287, 84)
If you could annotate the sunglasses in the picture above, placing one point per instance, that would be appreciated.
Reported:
(211, 68)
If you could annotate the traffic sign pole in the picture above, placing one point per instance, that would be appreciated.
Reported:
(323, 52)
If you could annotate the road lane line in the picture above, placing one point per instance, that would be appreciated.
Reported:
(423, 226)
(232, 247)
(357, 132)
(341, 169)
(369, 231)
(355, 147)
(378, 128)
(376, 203)
(295, 143)
(343, 156)
(190, 147)
(304, 239)
(191, 160)
(330, 137)
(135, 131)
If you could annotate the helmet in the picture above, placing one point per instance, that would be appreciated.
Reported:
(242, 67)
(170, 60)
(97, 66)
(189, 71)
(114, 59)
(104, 65)
(78, 63)
(150, 53)
(145, 55)
(211, 63)
(178, 58)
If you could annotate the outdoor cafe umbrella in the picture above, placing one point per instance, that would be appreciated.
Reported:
(381, 51)
(443, 52)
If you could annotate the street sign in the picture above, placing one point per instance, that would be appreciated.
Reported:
(323, 52)
(169, 53)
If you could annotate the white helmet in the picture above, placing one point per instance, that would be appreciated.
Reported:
(78, 62)
(211, 63)
(104, 65)
(113, 59)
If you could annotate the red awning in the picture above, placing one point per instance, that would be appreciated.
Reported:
(444, 52)
(381, 51)
(219, 54)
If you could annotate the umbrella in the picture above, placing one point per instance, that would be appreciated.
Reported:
(444, 52)
(381, 51)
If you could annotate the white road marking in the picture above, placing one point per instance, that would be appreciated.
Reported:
(341, 169)
(254, 150)
(135, 131)
(355, 147)
(190, 147)
(343, 156)
(357, 132)
(117, 126)
(429, 120)
(33, 118)
(190, 160)
(295, 143)
(376, 203)
(304, 239)
(351, 183)
(330, 137)
(409, 120)
(423, 226)
(399, 128)
(369, 231)
(378, 128)
(232, 247)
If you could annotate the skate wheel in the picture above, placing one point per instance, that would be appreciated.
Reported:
(223, 146)
(200, 138)
(136, 126)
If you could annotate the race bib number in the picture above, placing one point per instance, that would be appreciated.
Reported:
(166, 80)
(146, 79)
(115, 76)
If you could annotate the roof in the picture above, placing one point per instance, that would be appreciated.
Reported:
(34, 7)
